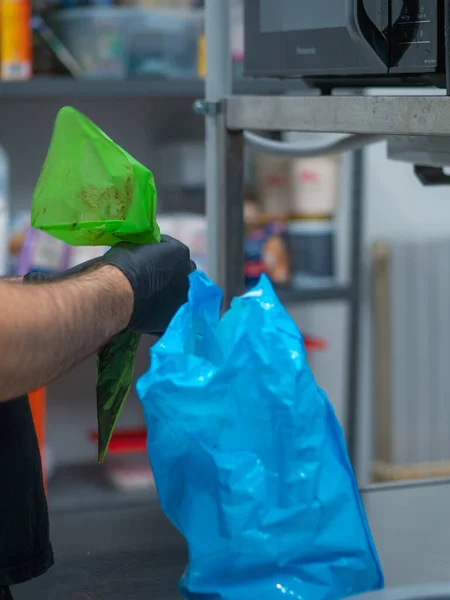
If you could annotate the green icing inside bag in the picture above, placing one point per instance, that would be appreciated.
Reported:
(91, 192)
(115, 370)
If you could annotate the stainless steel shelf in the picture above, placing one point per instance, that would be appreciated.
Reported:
(324, 294)
(385, 115)
(49, 87)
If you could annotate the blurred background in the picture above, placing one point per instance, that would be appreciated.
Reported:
(135, 67)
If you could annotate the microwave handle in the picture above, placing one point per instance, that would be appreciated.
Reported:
(364, 31)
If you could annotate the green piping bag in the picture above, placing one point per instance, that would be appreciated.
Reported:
(92, 193)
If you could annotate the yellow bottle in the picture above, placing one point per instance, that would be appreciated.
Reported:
(15, 40)
(201, 56)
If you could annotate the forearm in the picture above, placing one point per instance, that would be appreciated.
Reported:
(47, 328)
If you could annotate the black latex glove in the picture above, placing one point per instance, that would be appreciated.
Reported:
(158, 274)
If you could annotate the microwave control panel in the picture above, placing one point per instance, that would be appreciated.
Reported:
(414, 35)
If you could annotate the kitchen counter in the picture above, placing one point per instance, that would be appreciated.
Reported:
(116, 554)
(133, 552)
(112, 576)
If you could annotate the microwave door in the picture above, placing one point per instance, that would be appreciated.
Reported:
(405, 24)
(368, 35)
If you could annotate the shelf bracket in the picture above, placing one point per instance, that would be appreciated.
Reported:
(205, 108)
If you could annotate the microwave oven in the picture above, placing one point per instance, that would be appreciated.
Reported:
(331, 43)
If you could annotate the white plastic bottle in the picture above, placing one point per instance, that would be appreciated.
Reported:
(4, 212)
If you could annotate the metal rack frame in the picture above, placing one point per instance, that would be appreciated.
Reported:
(389, 115)
(407, 519)
(227, 117)
(384, 115)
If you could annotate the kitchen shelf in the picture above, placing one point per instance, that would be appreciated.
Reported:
(49, 87)
(379, 115)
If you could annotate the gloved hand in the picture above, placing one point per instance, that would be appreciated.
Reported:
(158, 274)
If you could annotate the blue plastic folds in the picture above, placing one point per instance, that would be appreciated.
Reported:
(248, 457)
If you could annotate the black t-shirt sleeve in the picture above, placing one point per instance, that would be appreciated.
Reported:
(25, 550)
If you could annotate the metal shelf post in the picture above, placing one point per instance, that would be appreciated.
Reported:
(224, 160)
(354, 307)
(226, 118)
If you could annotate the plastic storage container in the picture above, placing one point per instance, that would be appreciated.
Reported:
(96, 38)
(315, 187)
(272, 185)
(311, 246)
(164, 43)
(428, 592)
(112, 42)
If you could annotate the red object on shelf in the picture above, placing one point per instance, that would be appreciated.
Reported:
(125, 441)
(313, 344)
